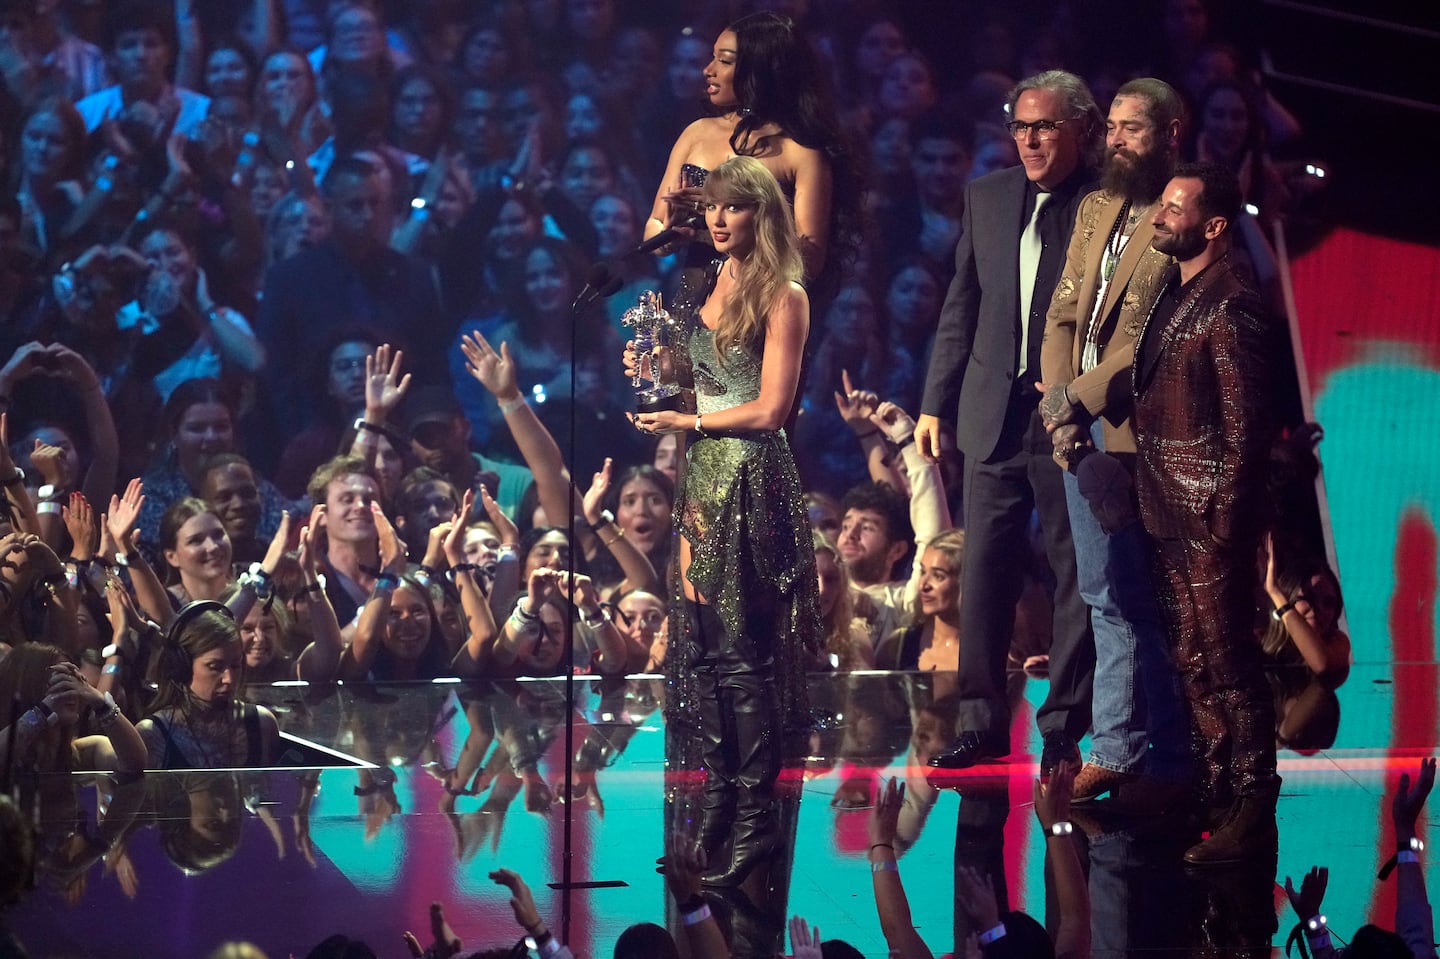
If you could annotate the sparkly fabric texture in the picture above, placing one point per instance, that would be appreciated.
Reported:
(1206, 595)
(1202, 432)
(1203, 406)
(752, 556)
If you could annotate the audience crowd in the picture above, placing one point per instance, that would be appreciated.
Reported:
(293, 388)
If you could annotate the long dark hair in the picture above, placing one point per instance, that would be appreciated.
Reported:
(777, 80)
(433, 661)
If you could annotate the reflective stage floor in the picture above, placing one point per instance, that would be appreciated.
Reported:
(362, 846)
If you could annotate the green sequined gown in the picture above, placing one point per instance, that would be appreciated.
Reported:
(741, 508)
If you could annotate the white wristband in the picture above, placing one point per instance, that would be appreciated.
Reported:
(991, 935)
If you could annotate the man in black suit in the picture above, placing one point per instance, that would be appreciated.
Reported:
(983, 371)
(354, 279)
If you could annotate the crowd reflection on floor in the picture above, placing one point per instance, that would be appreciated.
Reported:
(397, 796)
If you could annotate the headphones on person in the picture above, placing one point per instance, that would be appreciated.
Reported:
(176, 664)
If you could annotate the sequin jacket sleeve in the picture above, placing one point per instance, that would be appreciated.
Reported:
(1202, 415)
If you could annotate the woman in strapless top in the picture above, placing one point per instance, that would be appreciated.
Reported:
(771, 105)
(746, 618)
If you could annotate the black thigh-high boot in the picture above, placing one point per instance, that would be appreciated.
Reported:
(751, 710)
(717, 807)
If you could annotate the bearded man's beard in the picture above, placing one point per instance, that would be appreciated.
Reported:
(1141, 179)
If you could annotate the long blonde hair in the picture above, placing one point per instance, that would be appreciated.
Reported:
(771, 266)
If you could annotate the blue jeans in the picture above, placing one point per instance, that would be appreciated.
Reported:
(1137, 689)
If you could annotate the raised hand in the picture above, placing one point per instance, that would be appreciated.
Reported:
(856, 406)
(79, 521)
(454, 542)
(1405, 807)
(275, 552)
(522, 902)
(306, 555)
(444, 944)
(804, 940)
(71, 366)
(505, 527)
(684, 865)
(492, 370)
(595, 495)
(123, 513)
(49, 462)
(384, 386)
(886, 813)
(1306, 902)
(392, 550)
(1052, 798)
(977, 897)
(894, 422)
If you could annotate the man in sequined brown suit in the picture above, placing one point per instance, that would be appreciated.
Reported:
(1202, 433)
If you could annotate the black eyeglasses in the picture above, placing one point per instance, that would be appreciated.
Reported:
(1044, 129)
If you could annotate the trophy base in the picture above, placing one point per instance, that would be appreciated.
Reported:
(653, 401)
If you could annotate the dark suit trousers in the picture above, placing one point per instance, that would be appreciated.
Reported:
(999, 497)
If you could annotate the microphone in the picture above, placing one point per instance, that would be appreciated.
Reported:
(602, 281)
(600, 274)
(665, 237)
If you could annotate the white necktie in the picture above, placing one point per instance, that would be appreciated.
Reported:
(1030, 247)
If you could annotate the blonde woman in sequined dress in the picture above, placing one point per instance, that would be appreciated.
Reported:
(749, 620)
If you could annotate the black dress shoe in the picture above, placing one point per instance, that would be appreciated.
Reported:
(1058, 748)
(969, 749)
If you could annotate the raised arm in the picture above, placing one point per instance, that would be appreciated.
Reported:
(385, 387)
(99, 479)
(12, 481)
(674, 204)
(1328, 657)
(357, 661)
(320, 661)
(600, 533)
(890, 899)
(523, 624)
(480, 628)
(613, 647)
(120, 521)
(507, 566)
(253, 587)
(496, 372)
(1052, 809)
(1414, 920)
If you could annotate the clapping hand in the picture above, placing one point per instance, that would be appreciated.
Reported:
(80, 524)
(124, 512)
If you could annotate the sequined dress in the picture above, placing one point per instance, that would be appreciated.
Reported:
(740, 506)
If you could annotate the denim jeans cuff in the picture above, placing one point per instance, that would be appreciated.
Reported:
(1103, 763)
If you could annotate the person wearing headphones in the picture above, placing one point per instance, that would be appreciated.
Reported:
(196, 721)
